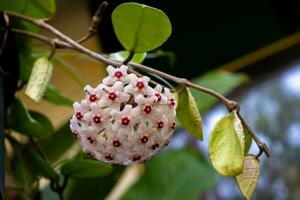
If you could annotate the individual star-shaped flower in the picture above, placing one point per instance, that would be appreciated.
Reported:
(138, 85)
(92, 94)
(125, 118)
(114, 96)
(80, 109)
(116, 74)
(160, 98)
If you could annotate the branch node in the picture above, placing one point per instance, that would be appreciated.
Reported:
(182, 81)
(263, 149)
(40, 22)
(233, 105)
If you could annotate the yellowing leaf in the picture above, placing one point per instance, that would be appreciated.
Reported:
(239, 129)
(248, 140)
(188, 114)
(225, 149)
(247, 180)
(40, 76)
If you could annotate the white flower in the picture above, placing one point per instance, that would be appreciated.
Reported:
(124, 120)
(138, 85)
(114, 96)
(116, 74)
(159, 97)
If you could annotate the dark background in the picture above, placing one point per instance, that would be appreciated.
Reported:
(207, 34)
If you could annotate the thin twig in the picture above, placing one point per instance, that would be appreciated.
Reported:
(230, 105)
(50, 41)
(262, 146)
(93, 28)
(4, 40)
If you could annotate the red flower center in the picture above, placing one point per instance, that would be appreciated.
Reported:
(118, 74)
(116, 143)
(167, 143)
(79, 115)
(172, 101)
(158, 97)
(91, 140)
(173, 126)
(97, 119)
(144, 139)
(155, 146)
(125, 121)
(160, 124)
(112, 96)
(136, 157)
(140, 85)
(109, 157)
(147, 108)
(93, 97)
(75, 135)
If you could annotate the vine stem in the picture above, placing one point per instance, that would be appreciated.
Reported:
(70, 43)
(63, 41)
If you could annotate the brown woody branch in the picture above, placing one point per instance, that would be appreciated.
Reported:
(63, 41)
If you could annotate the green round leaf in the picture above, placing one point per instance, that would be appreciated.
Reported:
(225, 149)
(122, 55)
(188, 114)
(140, 28)
(247, 180)
(83, 168)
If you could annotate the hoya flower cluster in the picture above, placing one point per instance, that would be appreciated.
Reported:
(124, 120)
